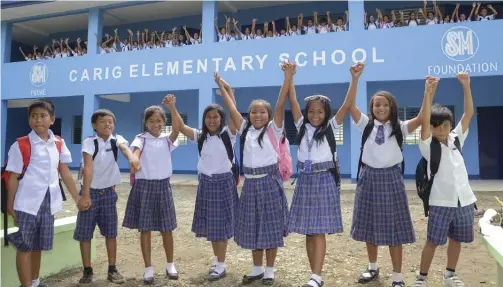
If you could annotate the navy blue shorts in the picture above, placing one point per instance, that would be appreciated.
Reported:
(454, 222)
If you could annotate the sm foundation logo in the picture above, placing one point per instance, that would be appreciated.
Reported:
(460, 44)
(39, 74)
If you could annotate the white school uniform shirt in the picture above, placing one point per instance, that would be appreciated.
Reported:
(294, 33)
(319, 152)
(387, 154)
(103, 50)
(247, 37)
(258, 37)
(106, 171)
(413, 22)
(373, 26)
(323, 29)
(27, 59)
(451, 181)
(222, 37)
(57, 55)
(387, 25)
(195, 42)
(431, 22)
(125, 48)
(214, 159)
(155, 159)
(42, 173)
(65, 55)
(336, 28)
(231, 38)
(253, 155)
(310, 29)
(485, 18)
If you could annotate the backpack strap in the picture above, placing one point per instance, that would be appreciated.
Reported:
(96, 148)
(25, 148)
(272, 138)
(329, 135)
(59, 145)
(115, 149)
(435, 156)
(399, 140)
(228, 145)
(366, 133)
(458, 144)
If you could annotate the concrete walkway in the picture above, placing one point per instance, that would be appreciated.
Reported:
(191, 180)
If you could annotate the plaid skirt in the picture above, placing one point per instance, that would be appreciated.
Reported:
(35, 233)
(316, 203)
(381, 212)
(216, 206)
(262, 216)
(150, 206)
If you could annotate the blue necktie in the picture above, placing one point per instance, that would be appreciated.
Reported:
(380, 135)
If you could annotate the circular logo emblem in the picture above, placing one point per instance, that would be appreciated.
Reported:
(39, 74)
(460, 44)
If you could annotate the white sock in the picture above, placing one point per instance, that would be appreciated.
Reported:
(269, 272)
(149, 272)
(35, 283)
(449, 274)
(318, 279)
(215, 261)
(220, 267)
(397, 277)
(373, 266)
(171, 268)
(257, 270)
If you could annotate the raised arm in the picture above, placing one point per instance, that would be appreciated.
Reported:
(473, 11)
(477, 9)
(169, 101)
(235, 23)
(227, 89)
(279, 111)
(464, 78)
(231, 106)
(287, 20)
(492, 9)
(414, 123)
(186, 32)
(431, 84)
(292, 96)
(356, 71)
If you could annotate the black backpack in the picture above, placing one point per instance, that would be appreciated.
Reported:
(336, 172)
(115, 150)
(230, 154)
(366, 133)
(423, 183)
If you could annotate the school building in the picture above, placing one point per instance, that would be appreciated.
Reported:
(126, 82)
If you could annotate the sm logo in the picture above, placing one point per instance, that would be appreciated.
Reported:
(460, 43)
(39, 74)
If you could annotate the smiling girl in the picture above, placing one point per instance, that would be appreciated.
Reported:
(150, 205)
(381, 213)
(217, 195)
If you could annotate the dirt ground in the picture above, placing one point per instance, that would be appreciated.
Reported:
(345, 258)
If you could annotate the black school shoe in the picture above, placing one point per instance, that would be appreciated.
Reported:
(398, 284)
(86, 280)
(250, 279)
(368, 276)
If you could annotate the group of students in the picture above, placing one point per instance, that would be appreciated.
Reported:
(428, 18)
(259, 218)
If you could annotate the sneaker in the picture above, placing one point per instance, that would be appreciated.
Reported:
(453, 281)
(398, 284)
(115, 277)
(86, 280)
(420, 283)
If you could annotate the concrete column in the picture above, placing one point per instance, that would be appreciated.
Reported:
(3, 114)
(94, 28)
(91, 104)
(6, 41)
(356, 11)
(209, 15)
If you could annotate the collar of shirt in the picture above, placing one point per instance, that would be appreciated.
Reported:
(147, 135)
(108, 139)
(378, 123)
(34, 138)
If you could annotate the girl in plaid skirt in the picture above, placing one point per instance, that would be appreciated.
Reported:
(262, 216)
(150, 205)
(217, 195)
(381, 213)
(316, 209)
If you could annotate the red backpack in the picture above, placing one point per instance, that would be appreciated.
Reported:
(25, 148)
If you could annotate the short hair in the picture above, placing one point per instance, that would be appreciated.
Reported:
(101, 113)
(43, 104)
(440, 114)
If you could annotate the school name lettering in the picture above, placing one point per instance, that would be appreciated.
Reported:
(453, 69)
(234, 64)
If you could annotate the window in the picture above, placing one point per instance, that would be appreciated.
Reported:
(407, 113)
(77, 130)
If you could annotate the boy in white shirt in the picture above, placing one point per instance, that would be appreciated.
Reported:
(100, 176)
(452, 202)
(34, 193)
